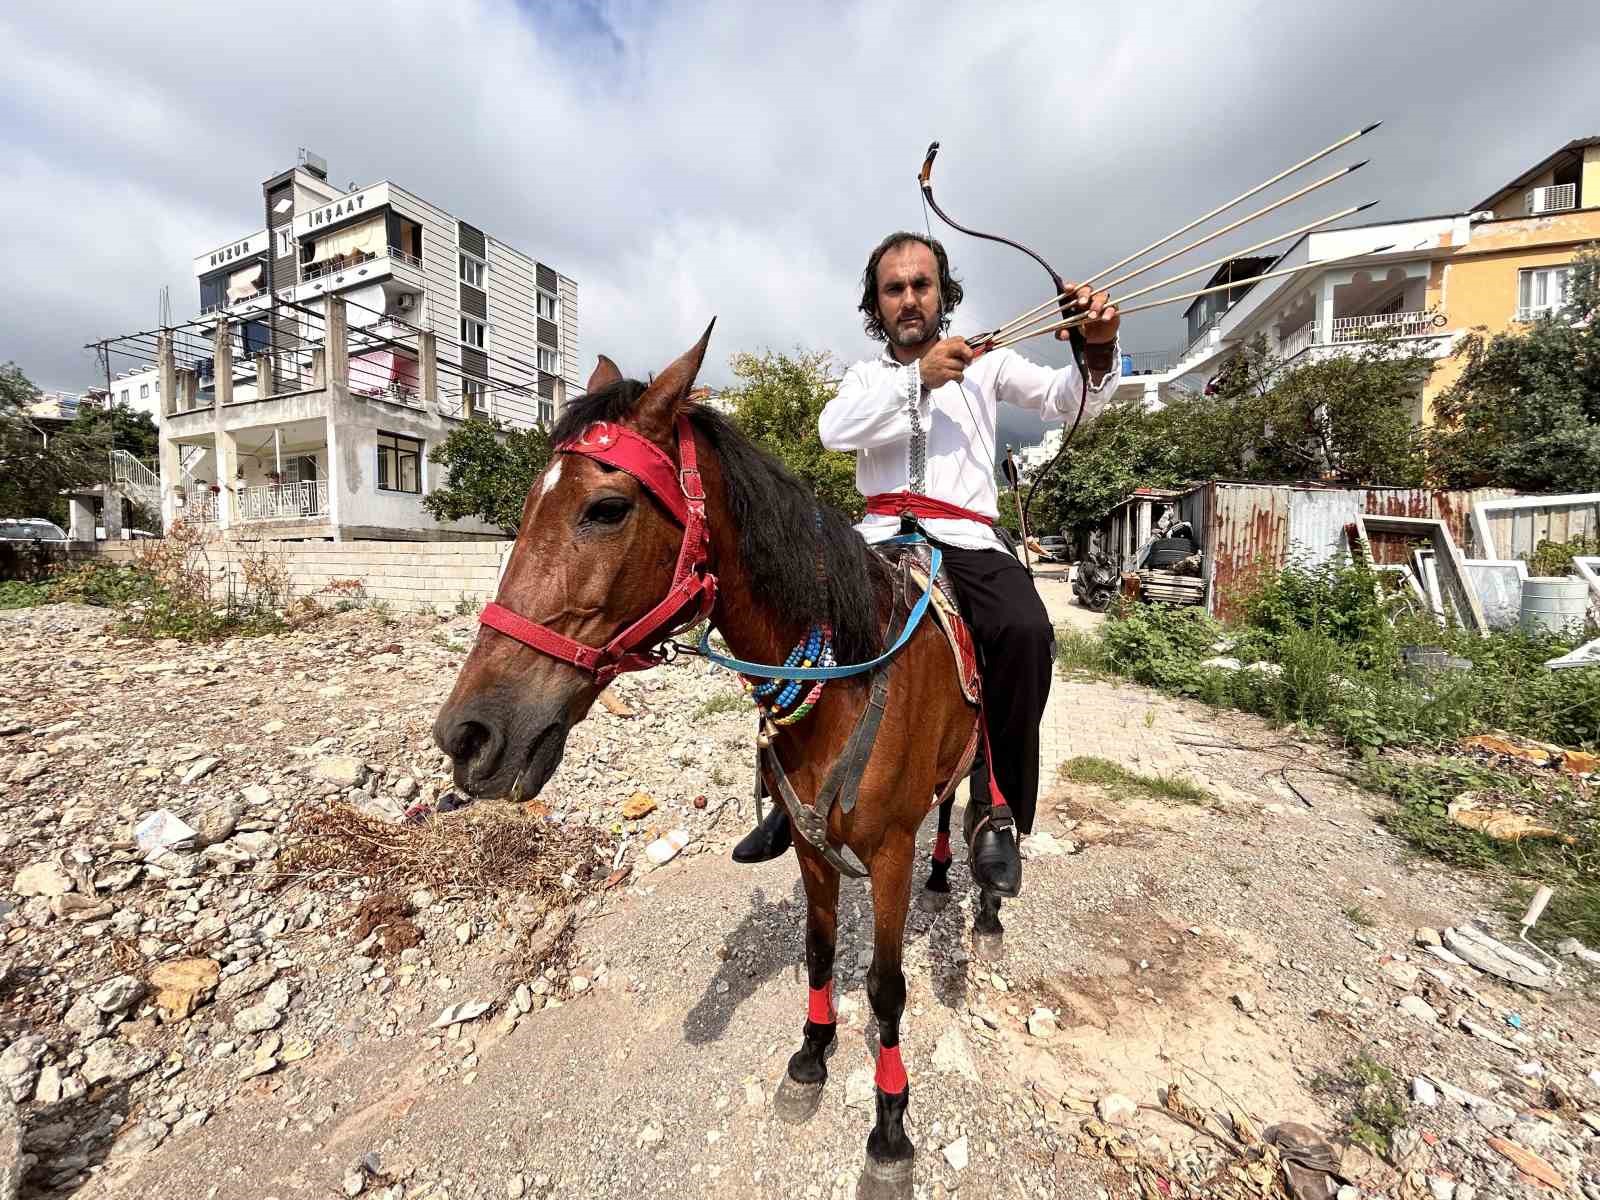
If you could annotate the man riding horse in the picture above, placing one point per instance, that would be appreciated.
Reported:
(921, 419)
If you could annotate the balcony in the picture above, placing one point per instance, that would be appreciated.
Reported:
(1561, 198)
(1416, 323)
(1299, 341)
(282, 501)
(1150, 362)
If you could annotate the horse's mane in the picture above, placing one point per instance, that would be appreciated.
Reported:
(804, 558)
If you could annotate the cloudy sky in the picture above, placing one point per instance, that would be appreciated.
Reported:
(720, 157)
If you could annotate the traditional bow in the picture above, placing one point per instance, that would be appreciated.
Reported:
(925, 179)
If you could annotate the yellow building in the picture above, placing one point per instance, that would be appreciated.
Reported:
(1505, 261)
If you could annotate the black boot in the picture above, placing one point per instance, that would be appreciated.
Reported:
(995, 861)
(766, 841)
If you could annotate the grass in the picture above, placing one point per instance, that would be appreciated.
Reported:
(1377, 1108)
(1358, 915)
(16, 594)
(1120, 781)
(1080, 651)
(722, 702)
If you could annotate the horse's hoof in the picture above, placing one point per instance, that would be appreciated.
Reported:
(886, 1180)
(795, 1102)
(988, 947)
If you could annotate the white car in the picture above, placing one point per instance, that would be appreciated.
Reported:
(30, 529)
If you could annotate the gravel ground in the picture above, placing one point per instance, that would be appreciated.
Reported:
(200, 1021)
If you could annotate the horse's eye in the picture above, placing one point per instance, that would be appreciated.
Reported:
(608, 511)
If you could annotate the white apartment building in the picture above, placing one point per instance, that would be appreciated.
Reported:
(336, 345)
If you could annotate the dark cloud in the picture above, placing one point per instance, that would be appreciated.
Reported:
(689, 159)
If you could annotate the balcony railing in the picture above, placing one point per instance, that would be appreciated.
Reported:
(199, 507)
(282, 501)
(336, 266)
(1396, 324)
(1299, 341)
(1150, 362)
(1560, 198)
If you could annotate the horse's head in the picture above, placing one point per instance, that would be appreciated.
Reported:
(594, 553)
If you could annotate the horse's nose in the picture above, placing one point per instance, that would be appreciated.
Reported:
(473, 744)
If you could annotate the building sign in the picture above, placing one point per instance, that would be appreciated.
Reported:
(345, 208)
(228, 253)
(233, 252)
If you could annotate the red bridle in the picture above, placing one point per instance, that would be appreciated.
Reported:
(678, 489)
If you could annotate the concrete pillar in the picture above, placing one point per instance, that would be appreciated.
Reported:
(428, 371)
(81, 525)
(188, 390)
(319, 369)
(1325, 312)
(336, 385)
(265, 384)
(336, 342)
(166, 448)
(335, 474)
(111, 514)
(222, 359)
(227, 456)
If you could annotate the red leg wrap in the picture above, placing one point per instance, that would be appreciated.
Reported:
(996, 798)
(821, 1010)
(941, 847)
(891, 1071)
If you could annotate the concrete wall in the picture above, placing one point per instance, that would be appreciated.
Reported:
(407, 576)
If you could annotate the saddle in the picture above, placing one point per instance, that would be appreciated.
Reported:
(910, 563)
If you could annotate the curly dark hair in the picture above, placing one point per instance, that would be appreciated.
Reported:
(950, 291)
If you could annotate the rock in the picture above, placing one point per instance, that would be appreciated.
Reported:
(1115, 1108)
(84, 1018)
(522, 998)
(1221, 663)
(1423, 1092)
(43, 879)
(1042, 845)
(49, 1088)
(1403, 975)
(1427, 937)
(19, 1066)
(1407, 1150)
(1245, 1001)
(1496, 958)
(117, 994)
(252, 978)
(216, 822)
(1041, 1023)
(258, 1018)
(113, 1061)
(277, 996)
(455, 1014)
(354, 1182)
(580, 984)
(138, 1138)
(10, 1147)
(1493, 1116)
(859, 1090)
(755, 1095)
(257, 795)
(665, 849)
(29, 767)
(404, 788)
(952, 1056)
(957, 1154)
(343, 770)
(1441, 1188)
(651, 1134)
(516, 1187)
(199, 769)
(183, 984)
(1416, 1006)
(638, 806)
(382, 808)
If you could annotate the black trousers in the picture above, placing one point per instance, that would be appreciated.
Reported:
(1016, 650)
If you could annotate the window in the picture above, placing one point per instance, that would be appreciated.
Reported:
(547, 413)
(124, 396)
(549, 361)
(474, 398)
(285, 242)
(144, 391)
(549, 307)
(399, 464)
(1542, 290)
(472, 332)
(472, 270)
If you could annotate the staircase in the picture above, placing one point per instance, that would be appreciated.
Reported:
(136, 480)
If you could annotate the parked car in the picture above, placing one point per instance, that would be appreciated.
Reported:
(1055, 549)
(30, 529)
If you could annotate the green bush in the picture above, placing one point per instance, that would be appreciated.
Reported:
(1333, 598)
(1162, 647)
(1555, 558)
(16, 594)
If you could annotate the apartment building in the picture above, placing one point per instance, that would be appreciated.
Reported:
(336, 344)
(1489, 268)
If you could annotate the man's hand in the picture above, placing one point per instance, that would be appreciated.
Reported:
(1103, 321)
(945, 361)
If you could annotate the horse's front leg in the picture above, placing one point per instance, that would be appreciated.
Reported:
(889, 1151)
(801, 1089)
(939, 876)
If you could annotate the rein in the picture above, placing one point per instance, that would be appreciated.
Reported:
(647, 642)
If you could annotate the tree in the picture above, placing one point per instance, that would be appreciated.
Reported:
(777, 403)
(36, 466)
(488, 473)
(124, 428)
(1525, 411)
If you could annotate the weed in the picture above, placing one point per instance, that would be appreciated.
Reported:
(1376, 1109)
(722, 702)
(720, 777)
(16, 594)
(382, 610)
(1358, 915)
(467, 606)
(1122, 782)
(1078, 650)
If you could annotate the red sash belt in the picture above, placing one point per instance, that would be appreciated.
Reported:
(894, 504)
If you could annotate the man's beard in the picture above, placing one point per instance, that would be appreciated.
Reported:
(913, 334)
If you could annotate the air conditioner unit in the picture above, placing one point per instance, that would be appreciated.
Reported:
(406, 302)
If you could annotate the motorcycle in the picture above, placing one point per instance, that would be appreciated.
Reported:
(1096, 581)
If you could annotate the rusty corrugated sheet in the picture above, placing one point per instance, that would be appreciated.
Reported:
(1517, 532)
(1248, 531)
(1317, 517)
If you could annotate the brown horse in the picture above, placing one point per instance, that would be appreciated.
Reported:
(596, 552)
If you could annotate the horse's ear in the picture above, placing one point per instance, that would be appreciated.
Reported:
(605, 374)
(669, 391)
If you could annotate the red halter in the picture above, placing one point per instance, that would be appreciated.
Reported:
(679, 491)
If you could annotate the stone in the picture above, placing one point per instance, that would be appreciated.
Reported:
(860, 1091)
(344, 770)
(957, 1154)
(1427, 937)
(258, 1018)
(251, 979)
(1423, 1092)
(138, 1138)
(1041, 1023)
(1042, 845)
(49, 1088)
(113, 1061)
(755, 1095)
(1493, 1116)
(1115, 1108)
(117, 994)
(1441, 1188)
(1420, 1009)
(951, 1055)
(29, 767)
(183, 984)
(665, 849)
(1403, 975)
(517, 1187)
(84, 1018)
(256, 794)
(19, 1066)
(638, 806)
(1497, 958)
(277, 995)
(1245, 1001)
(199, 769)
(651, 1134)
(43, 879)
(354, 1182)
(382, 808)
(455, 1014)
